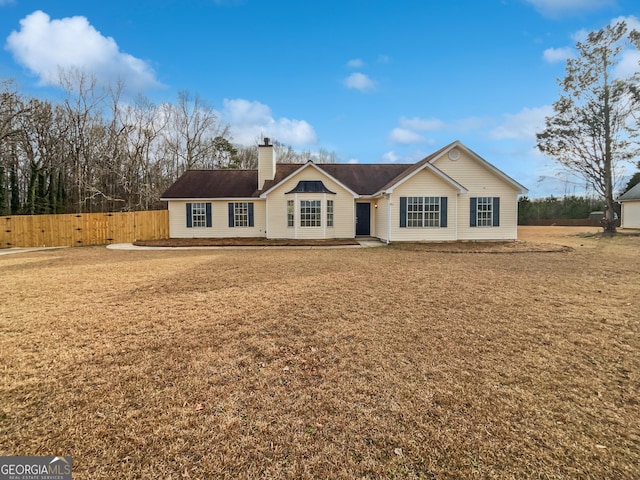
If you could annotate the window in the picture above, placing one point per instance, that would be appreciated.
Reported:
(485, 212)
(240, 214)
(329, 213)
(290, 214)
(414, 211)
(423, 211)
(431, 211)
(198, 215)
(310, 213)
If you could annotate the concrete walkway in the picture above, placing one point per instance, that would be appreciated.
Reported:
(9, 251)
(363, 243)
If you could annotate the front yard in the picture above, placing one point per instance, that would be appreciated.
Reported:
(392, 362)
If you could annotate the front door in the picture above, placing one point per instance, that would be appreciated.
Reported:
(363, 219)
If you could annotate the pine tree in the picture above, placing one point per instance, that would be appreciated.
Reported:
(15, 190)
(42, 196)
(634, 180)
(32, 192)
(3, 191)
(61, 196)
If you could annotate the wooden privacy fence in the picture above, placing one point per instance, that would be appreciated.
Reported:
(78, 229)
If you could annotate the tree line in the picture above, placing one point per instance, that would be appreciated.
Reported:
(551, 208)
(91, 151)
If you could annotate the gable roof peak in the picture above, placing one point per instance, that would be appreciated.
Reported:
(489, 166)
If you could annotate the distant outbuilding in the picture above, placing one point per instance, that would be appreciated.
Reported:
(630, 202)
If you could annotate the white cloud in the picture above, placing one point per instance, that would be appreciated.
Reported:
(359, 81)
(384, 58)
(407, 157)
(405, 136)
(422, 124)
(250, 120)
(523, 125)
(629, 64)
(629, 57)
(555, 55)
(580, 36)
(390, 157)
(353, 161)
(559, 8)
(355, 63)
(44, 46)
(410, 130)
(633, 23)
(6, 2)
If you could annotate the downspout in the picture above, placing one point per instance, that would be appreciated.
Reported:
(354, 218)
(388, 218)
(266, 220)
(515, 233)
(455, 231)
(295, 219)
(324, 202)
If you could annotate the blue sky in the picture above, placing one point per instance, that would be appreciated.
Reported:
(373, 80)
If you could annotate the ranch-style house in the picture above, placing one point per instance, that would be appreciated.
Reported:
(453, 194)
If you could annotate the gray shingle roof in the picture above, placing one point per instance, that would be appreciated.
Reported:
(214, 184)
(364, 179)
(632, 194)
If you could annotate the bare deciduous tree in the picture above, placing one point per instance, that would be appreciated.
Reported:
(192, 125)
(591, 130)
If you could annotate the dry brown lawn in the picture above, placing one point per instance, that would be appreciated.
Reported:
(392, 362)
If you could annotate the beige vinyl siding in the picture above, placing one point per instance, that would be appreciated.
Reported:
(630, 214)
(343, 209)
(423, 184)
(220, 220)
(381, 215)
(481, 182)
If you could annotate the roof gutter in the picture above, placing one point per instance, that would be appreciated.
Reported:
(212, 199)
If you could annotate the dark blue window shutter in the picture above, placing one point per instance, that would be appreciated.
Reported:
(473, 213)
(189, 218)
(443, 212)
(496, 211)
(251, 214)
(403, 212)
(231, 217)
(208, 214)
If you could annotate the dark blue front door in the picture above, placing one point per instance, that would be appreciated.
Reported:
(363, 219)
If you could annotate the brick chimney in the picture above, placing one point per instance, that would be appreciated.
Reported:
(266, 163)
